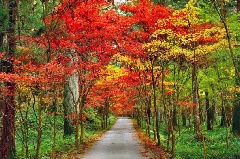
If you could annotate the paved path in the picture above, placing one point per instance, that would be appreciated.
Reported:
(118, 143)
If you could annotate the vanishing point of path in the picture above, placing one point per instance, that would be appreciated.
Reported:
(118, 143)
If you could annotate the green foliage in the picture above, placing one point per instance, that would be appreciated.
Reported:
(31, 17)
(234, 23)
(177, 4)
(207, 12)
(219, 69)
(63, 143)
(3, 18)
(93, 121)
(189, 148)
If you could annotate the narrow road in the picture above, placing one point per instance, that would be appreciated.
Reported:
(118, 143)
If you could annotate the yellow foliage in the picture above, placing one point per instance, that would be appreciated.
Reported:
(196, 39)
(111, 72)
(136, 64)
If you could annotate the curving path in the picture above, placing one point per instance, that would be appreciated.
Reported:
(117, 143)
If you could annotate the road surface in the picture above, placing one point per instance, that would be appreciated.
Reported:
(117, 143)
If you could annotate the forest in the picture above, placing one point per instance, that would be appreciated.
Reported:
(69, 68)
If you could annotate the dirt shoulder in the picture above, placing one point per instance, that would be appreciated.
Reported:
(152, 151)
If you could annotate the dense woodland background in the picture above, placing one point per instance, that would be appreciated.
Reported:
(69, 67)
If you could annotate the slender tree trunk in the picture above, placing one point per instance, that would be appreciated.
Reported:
(208, 109)
(77, 118)
(103, 118)
(1, 86)
(238, 5)
(223, 114)
(1, 45)
(138, 117)
(197, 123)
(148, 104)
(39, 130)
(173, 153)
(174, 116)
(106, 112)
(24, 130)
(54, 123)
(236, 116)
(154, 128)
(176, 95)
(155, 103)
(236, 103)
(7, 142)
(184, 118)
(82, 104)
(222, 12)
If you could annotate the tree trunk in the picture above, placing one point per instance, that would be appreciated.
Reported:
(7, 142)
(236, 108)
(184, 118)
(238, 5)
(225, 111)
(155, 103)
(176, 96)
(197, 123)
(236, 103)
(1, 42)
(210, 114)
(69, 109)
(71, 96)
(107, 112)
(39, 129)
(55, 109)
(148, 105)
(81, 108)
(236, 116)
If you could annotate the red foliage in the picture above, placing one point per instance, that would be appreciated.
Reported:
(188, 104)
(140, 25)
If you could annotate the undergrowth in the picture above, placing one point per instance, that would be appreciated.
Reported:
(189, 148)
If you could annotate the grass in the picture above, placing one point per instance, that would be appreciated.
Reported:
(189, 148)
(64, 145)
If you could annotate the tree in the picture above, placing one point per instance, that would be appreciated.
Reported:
(236, 103)
(238, 5)
(140, 25)
(71, 96)
(7, 150)
(186, 34)
(85, 31)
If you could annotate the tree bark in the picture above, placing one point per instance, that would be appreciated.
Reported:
(210, 113)
(7, 142)
(236, 116)
(155, 103)
(238, 5)
(184, 118)
(148, 105)
(236, 108)
(81, 108)
(197, 123)
(236, 104)
(68, 106)
(71, 98)
(224, 116)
